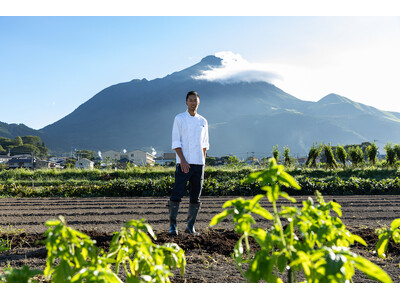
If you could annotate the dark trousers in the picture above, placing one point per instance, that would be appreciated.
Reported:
(195, 176)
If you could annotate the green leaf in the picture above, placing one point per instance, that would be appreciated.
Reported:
(382, 245)
(111, 277)
(358, 239)
(395, 224)
(371, 270)
(263, 213)
(218, 218)
(282, 262)
(53, 222)
(286, 179)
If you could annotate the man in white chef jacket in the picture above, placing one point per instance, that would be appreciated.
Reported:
(190, 142)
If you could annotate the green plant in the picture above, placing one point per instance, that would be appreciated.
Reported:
(372, 151)
(396, 149)
(312, 240)
(341, 154)
(385, 234)
(330, 158)
(356, 156)
(390, 154)
(78, 256)
(275, 152)
(287, 158)
(5, 244)
(234, 162)
(313, 155)
(23, 275)
(81, 261)
(142, 260)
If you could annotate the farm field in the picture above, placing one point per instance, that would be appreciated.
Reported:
(208, 255)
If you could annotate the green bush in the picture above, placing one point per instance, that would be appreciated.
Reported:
(356, 156)
(313, 242)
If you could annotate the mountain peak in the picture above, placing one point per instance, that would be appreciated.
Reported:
(211, 60)
(334, 98)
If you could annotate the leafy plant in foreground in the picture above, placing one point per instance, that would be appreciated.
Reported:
(81, 261)
(312, 241)
(142, 260)
(385, 234)
(23, 275)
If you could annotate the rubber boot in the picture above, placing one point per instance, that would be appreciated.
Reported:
(192, 215)
(173, 213)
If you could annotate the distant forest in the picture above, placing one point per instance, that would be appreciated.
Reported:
(23, 145)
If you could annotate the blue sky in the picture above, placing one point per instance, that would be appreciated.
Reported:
(51, 65)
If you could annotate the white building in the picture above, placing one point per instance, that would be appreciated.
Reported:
(84, 163)
(4, 159)
(140, 157)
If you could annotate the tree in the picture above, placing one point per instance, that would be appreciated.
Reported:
(356, 156)
(18, 141)
(275, 153)
(372, 151)
(211, 161)
(32, 140)
(234, 161)
(2, 151)
(313, 155)
(390, 154)
(330, 158)
(25, 149)
(86, 154)
(341, 154)
(396, 149)
(287, 159)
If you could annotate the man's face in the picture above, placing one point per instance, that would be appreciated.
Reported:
(192, 102)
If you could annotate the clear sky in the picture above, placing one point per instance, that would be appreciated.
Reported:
(51, 65)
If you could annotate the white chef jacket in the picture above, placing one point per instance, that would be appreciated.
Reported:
(190, 134)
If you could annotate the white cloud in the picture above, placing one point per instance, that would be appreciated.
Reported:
(236, 69)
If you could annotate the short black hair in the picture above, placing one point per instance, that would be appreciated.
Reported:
(192, 93)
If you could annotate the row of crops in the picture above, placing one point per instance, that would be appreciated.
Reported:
(212, 187)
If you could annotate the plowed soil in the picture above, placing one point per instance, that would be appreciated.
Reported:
(208, 255)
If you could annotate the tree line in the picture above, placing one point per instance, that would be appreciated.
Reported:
(28, 144)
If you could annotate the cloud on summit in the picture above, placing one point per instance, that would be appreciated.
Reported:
(236, 69)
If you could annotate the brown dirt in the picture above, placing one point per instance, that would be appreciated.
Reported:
(208, 255)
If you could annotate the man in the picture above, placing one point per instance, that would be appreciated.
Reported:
(190, 142)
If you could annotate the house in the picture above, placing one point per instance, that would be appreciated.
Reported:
(111, 155)
(166, 158)
(45, 164)
(21, 162)
(84, 163)
(140, 157)
(4, 159)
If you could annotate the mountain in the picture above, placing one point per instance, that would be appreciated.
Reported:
(243, 117)
(12, 130)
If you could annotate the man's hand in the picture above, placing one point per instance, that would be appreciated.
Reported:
(185, 166)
